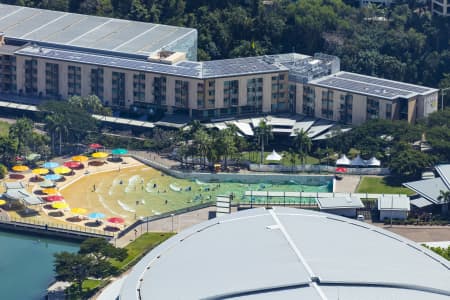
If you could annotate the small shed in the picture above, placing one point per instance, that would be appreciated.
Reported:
(394, 207)
(342, 206)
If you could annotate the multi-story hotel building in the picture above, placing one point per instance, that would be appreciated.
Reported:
(53, 55)
(441, 7)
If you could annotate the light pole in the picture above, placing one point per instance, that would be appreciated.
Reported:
(172, 215)
(442, 97)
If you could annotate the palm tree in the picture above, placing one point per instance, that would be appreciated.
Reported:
(292, 158)
(22, 132)
(263, 134)
(58, 128)
(302, 144)
(444, 197)
(204, 142)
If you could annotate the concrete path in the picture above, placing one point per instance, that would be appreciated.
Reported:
(348, 184)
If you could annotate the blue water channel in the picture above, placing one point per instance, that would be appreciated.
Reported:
(26, 264)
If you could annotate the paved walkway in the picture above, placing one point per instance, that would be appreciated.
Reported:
(348, 184)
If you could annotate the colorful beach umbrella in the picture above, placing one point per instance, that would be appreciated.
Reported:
(60, 205)
(40, 171)
(95, 146)
(50, 191)
(341, 170)
(50, 165)
(116, 220)
(53, 177)
(100, 154)
(20, 168)
(79, 211)
(54, 198)
(62, 170)
(80, 158)
(96, 215)
(72, 164)
(2, 202)
(119, 151)
(47, 183)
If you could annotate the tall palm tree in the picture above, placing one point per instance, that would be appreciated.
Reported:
(58, 128)
(302, 144)
(22, 132)
(292, 158)
(204, 142)
(444, 197)
(263, 134)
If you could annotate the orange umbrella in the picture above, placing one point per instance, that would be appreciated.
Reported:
(100, 154)
(80, 158)
(40, 171)
(50, 191)
(20, 168)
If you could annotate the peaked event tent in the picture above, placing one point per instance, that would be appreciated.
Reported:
(358, 162)
(274, 156)
(343, 161)
(373, 162)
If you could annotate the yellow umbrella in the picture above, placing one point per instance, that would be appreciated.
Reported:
(100, 154)
(60, 205)
(20, 168)
(50, 191)
(80, 158)
(79, 211)
(40, 171)
(2, 202)
(62, 170)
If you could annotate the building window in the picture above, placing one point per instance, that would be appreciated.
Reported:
(230, 93)
(97, 82)
(139, 87)
(327, 104)
(74, 80)
(388, 111)
(181, 93)
(118, 89)
(31, 77)
(254, 95)
(309, 96)
(8, 74)
(346, 108)
(52, 80)
(373, 109)
(159, 90)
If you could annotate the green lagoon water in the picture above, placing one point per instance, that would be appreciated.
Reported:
(26, 264)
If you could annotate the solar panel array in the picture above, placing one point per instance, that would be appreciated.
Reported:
(361, 87)
(384, 82)
(61, 28)
(238, 66)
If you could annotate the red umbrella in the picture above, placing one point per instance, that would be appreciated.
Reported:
(95, 146)
(116, 220)
(72, 164)
(341, 170)
(54, 198)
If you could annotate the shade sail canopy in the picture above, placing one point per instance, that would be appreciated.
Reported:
(358, 162)
(119, 151)
(100, 155)
(373, 162)
(80, 158)
(54, 198)
(72, 164)
(274, 156)
(60, 205)
(62, 170)
(96, 215)
(47, 183)
(95, 146)
(341, 170)
(116, 220)
(53, 177)
(50, 165)
(50, 191)
(20, 168)
(79, 211)
(40, 171)
(343, 161)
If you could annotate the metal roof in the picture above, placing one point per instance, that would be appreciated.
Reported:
(393, 202)
(421, 202)
(371, 86)
(284, 253)
(339, 202)
(68, 29)
(444, 172)
(430, 189)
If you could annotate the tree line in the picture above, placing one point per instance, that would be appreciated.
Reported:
(403, 42)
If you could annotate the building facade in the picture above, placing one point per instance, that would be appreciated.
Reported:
(441, 7)
(45, 56)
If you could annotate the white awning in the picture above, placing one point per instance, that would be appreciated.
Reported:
(274, 156)
(358, 161)
(343, 161)
(373, 162)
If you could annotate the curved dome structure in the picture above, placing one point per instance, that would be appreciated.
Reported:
(286, 253)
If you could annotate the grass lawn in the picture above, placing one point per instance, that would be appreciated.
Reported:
(4, 128)
(255, 156)
(379, 185)
(141, 246)
(90, 284)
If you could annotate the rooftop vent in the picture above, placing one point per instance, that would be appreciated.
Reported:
(167, 57)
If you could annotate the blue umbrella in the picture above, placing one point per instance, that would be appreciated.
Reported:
(50, 165)
(53, 177)
(96, 215)
(119, 151)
